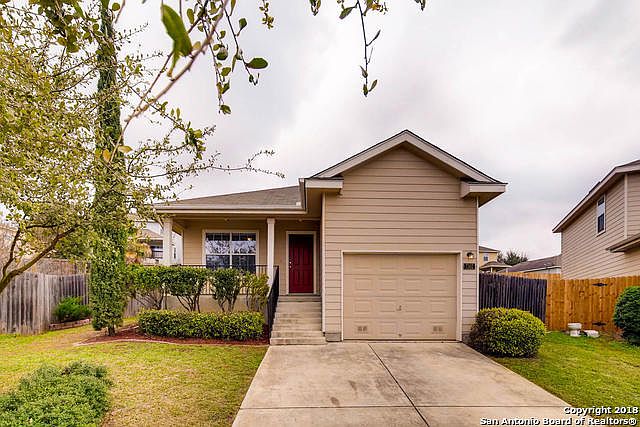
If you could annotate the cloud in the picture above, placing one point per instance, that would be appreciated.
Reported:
(541, 94)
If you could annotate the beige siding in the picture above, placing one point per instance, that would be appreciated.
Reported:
(398, 202)
(633, 204)
(584, 252)
(193, 238)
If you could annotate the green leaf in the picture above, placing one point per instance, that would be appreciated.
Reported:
(106, 155)
(191, 16)
(364, 72)
(222, 54)
(225, 71)
(257, 63)
(124, 149)
(346, 11)
(365, 90)
(243, 23)
(373, 85)
(115, 7)
(178, 33)
(225, 109)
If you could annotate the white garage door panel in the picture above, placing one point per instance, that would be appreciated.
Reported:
(397, 296)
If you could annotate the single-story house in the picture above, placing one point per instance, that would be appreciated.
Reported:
(548, 265)
(384, 242)
(601, 234)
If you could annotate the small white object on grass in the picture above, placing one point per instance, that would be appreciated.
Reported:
(591, 333)
(574, 329)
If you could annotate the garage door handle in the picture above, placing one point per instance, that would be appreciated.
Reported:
(399, 308)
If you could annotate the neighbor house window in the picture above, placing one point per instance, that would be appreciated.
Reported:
(485, 257)
(600, 213)
(237, 250)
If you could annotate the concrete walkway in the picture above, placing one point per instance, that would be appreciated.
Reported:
(388, 384)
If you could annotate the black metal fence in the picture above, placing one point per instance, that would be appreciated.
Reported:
(272, 299)
(499, 290)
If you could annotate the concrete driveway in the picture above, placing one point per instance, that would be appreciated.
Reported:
(388, 384)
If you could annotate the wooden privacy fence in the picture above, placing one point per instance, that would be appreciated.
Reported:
(587, 301)
(498, 290)
(27, 304)
(557, 301)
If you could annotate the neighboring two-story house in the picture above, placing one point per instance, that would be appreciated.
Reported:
(601, 235)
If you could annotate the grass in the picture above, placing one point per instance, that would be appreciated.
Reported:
(154, 384)
(584, 371)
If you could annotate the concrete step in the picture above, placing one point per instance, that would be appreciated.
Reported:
(296, 309)
(300, 298)
(298, 341)
(313, 304)
(297, 321)
(296, 333)
(302, 328)
(298, 315)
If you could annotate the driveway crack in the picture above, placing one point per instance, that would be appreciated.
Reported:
(403, 391)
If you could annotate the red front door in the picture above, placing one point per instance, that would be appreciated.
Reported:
(301, 263)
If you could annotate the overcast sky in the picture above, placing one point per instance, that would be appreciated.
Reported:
(544, 95)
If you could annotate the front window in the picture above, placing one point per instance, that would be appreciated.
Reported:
(600, 214)
(237, 250)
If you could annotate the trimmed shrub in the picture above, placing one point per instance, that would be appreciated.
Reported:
(626, 315)
(185, 283)
(227, 283)
(256, 289)
(240, 326)
(507, 332)
(76, 395)
(71, 309)
(145, 285)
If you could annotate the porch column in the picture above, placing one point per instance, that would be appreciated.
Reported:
(167, 241)
(271, 246)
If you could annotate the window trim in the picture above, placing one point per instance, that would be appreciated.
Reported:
(209, 231)
(604, 214)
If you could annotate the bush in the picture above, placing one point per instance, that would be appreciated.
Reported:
(240, 326)
(627, 314)
(145, 285)
(76, 395)
(256, 289)
(227, 283)
(185, 283)
(71, 309)
(507, 332)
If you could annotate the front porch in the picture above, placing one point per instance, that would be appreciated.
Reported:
(286, 250)
(256, 245)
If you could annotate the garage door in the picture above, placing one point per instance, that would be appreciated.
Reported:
(400, 296)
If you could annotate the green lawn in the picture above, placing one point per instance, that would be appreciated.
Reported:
(154, 384)
(584, 371)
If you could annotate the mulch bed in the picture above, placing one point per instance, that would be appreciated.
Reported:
(131, 333)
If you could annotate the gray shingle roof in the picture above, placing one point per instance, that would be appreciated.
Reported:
(486, 249)
(284, 196)
(538, 264)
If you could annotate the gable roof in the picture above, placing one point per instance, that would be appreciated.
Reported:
(538, 264)
(272, 198)
(486, 249)
(413, 140)
(597, 190)
(293, 199)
